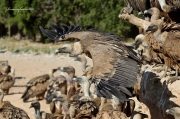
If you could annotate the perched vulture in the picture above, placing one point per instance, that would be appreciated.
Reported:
(115, 67)
(169, 44)
(169, 7)
(37, 86)
(7, 81)
(9, 111)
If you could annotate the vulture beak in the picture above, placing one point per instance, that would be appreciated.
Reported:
(31, 106)
(57, 51)
(151, 28)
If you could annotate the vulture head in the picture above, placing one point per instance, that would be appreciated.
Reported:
(66, 48)
(73, 49)
(155, 25)
(35, 105)
(68, 69)
(138, 40)
(4, 63)
(175, 111)
(81, 80)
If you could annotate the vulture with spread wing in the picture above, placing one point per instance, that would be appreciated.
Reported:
(115, 67)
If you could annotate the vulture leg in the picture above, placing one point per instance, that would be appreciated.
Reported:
(174, 78)
(166, 8)
(103, 100)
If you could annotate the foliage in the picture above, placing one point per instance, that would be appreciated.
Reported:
(99, 14)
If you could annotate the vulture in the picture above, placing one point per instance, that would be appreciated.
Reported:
(41, 114)
(9, 111)
(169, 45)
(175, 111)
(37, 86)
(71, 87)
(115, 66)
(68, 110)
(5, 68)
(169, 7)
(58, 83)
(55, 105)
(7, 81)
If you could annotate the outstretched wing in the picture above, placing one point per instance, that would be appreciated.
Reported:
(114, 70)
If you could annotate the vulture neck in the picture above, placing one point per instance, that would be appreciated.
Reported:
(155, 15)
(157, 35)
(51, 73)
(70, 78)
(58, 104)
(85, 87)
(37, 113)
(83, 64)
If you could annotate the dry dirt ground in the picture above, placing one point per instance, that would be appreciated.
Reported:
(30, 66)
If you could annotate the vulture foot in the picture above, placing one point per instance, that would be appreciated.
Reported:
(85, 98)
(172, 79)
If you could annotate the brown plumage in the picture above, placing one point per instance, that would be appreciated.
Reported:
(9, 111)
(175, 111)
(169, 7)
(5, 68)
(38, 114)
(7, 81)
(37, 86)
(58, 83)
(115, 66)
(68, 110)
(169, 44)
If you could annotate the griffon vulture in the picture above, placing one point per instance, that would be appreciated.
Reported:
(115, 67)
(9, 111)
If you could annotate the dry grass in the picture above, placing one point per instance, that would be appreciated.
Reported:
(25, 46)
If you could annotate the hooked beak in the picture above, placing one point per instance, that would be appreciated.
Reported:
(151, 28)
(57, 51)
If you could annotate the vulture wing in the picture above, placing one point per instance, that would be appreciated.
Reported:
(115, 67)
(114, 70)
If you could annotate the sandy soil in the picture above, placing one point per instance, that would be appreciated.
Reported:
(30, 66)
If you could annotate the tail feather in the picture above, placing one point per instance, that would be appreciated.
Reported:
(25, 95)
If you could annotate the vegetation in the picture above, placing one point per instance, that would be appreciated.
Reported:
(25, 16)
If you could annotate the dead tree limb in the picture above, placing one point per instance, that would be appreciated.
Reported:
(135, 20)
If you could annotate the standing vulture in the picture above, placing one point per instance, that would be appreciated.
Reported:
(115, 67)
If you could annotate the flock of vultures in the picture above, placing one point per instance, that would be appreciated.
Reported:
(104, 91)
